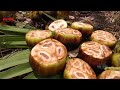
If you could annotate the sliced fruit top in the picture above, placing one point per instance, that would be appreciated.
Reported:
(49, 51)
(96, 50)
(57, 24)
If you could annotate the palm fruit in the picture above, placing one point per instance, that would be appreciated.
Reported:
(94, 53)
(104, 37)
(109, 74)
(84, 28)
(71, 38)
(48, 57)
(115, 59)
(57, 24)
(117, 47)
(35, 36)
(78, 69)
(63, 14)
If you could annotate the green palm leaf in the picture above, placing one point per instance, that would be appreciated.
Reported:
(15, 59)
(13, 30)
(12, 41)
(30, 76)
(16, 71)
(12, 38)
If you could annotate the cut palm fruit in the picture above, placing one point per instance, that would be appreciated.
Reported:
(35, 36)
(116, 59)
(109, 74)
(84, 28)
(57, 24)
(104, 37)
(71, 38)
(78, 69)
(48, 57)
(94, 53)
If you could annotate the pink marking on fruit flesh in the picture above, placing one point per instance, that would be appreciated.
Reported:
(88, 70)
(91, 43)
(59, 53)
(44, 55)
(76, 32)
(32, 34)
(93, 50)
(80, 74)
(52, 26)
(75, 73)
(61, 25)
(47, 44)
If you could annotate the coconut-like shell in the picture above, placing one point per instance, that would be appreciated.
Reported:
(35, 36)
(104, 37)
(57, 24)
(84, 28)
(94, 53)
(48, 57)
(109, 74)
(78, 69)
(68, 36)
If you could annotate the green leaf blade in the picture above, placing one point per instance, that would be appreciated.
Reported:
(30, 76)
(16, 59)
(13, 30)
(16, 71)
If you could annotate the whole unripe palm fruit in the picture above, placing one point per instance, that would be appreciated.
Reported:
(71, 38)
(116, 60)
(78, 69)
(84, 28)
(35, 36)
(48, 57)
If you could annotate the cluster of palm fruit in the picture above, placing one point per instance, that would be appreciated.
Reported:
(49, 49)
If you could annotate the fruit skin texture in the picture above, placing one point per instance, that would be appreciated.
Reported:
(48, 68)
(104, 35)
(84, 28)
(84, 70)
(109, 74)
(69, 40)
(92, 60)
(32, 41)
(116, 59)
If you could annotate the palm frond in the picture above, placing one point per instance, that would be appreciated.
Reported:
(16, 71)
(15, 58)
(13, 30)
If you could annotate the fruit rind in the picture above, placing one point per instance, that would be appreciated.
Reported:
(94, 53)
(104, 37)
(83, 69)
(84, 28)
(115, 59)
(48, 67)
(69, 40)
(33, 40)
